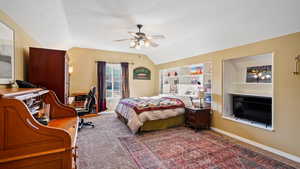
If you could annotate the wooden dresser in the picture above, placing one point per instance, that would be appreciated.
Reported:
(27, 144)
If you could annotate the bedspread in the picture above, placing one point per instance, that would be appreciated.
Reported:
(143, 104)
(139, 110)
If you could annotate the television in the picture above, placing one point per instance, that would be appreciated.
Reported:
(253, 108)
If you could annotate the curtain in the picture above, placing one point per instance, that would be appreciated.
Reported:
(125, 80)
(101, 70)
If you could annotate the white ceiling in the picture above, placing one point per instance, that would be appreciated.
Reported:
(191, 27)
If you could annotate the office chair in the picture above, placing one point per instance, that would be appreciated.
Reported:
(89, 107)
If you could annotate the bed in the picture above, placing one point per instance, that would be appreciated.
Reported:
(152, 113)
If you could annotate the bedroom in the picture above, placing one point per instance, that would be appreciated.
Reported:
(237, 39)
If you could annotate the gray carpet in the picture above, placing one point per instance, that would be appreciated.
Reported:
(99, 147)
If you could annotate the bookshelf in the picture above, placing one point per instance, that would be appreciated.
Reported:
(182, 80)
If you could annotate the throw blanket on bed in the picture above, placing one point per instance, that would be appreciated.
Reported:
(150, 104)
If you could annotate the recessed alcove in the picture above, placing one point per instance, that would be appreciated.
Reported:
(248, 90)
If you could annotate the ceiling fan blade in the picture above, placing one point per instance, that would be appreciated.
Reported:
(156, 37)
(120, 40)
(153, 44)
(133, 34)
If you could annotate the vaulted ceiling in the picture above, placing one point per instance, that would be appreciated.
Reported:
(191, 27)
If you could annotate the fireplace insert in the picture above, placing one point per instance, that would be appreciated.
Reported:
(253, 108)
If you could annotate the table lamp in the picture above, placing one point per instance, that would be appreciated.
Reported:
(201, 96)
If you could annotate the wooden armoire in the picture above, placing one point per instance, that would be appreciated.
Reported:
(49, 68)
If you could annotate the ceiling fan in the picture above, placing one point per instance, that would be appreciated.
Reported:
(140, 39)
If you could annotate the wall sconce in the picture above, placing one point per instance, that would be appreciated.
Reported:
(297, 64)
(71, 69)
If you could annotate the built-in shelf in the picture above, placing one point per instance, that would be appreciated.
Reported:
(259, 105)
(186, 79)
(244, 83)
(252, 94)
(250, 123)
(192, 75)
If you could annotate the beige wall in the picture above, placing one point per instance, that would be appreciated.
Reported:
(84, 75)
(286, 136)
(22, 42)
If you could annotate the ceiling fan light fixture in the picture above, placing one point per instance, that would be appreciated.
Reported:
(147, 43)
(142, 42)
(138, 46)
(132, 43)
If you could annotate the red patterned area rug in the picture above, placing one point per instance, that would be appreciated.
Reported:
(182, 148)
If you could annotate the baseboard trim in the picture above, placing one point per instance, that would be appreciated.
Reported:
(264, 147)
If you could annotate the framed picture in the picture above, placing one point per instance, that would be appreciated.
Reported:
(259, 74)
(141, 73)
(7, 54)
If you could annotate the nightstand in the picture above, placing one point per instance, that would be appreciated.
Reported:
(198, 118)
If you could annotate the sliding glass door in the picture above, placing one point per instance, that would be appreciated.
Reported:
(113, 85)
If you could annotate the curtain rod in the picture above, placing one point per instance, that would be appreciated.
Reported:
(131, 63)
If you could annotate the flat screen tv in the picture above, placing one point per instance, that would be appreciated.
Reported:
(258, 109)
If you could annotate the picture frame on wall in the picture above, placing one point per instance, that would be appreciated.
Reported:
(259, 74)
(7, 54)
(141, 73)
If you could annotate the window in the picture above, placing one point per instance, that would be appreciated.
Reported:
(113, 80)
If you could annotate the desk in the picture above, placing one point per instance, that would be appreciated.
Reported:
(25, 143)
(79, 99)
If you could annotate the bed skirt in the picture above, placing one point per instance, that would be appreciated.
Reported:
(159, 124)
